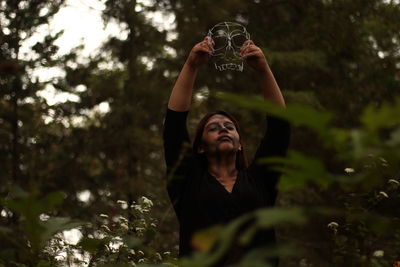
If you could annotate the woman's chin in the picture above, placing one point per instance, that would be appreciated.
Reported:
(226, 147)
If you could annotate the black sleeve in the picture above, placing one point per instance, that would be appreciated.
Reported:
(175, 137)
(274, 144)
(177, 153)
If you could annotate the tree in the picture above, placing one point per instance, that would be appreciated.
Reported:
(121, 157)
(24, 135)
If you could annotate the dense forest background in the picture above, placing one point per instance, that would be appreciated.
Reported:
(70, 166)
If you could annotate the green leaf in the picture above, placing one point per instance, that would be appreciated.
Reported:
(275, 216)
(52, 200)
(222, 244)
(267, 218)
(204, 240)
(29, 206)
(17, 192)
(297, 114)
(384, 117)
(221, 238)
(131, 241)
(298, 170)
(5, 230)
(92, 245)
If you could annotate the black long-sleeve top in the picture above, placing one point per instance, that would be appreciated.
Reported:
(199, 200)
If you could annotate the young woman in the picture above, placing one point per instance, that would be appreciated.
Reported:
(211, 182)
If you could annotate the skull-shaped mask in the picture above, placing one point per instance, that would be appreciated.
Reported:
(228, 38)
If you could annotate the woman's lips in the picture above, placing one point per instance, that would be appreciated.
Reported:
(224, 138)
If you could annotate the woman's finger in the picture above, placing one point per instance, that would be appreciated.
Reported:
(208, 40)
(210, 43)
(203, 47)
(208, 46)
(253, 53)
(250, 50)
(247, 43)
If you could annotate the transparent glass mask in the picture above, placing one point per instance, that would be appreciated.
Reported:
(228, 38)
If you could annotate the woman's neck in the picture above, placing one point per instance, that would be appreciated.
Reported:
(222, 167)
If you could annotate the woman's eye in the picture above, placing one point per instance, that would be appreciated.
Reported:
(229, 127)
(212, 129)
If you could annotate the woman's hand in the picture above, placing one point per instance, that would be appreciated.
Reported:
(254, 56)
(200, 53)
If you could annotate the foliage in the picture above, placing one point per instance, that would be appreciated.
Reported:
(115, 240)
(25, 242)
(362, 227)
(122, 241)
(339, 192)
(367, 190)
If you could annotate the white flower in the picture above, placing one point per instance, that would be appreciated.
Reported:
(147, 202)
(378, 253)
(393, 181)
(158, 256)
(124, 226)
(383, 194)
(123, 219)
(348, 170)
(106, 228)
(122, 202)
(304, 263)
(141, 253)
(333, 225)
(105, 216)
(139, 209)
(44, 217)
(140, 229)
(383, 160)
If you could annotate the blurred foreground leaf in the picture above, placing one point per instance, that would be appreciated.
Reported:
(388, 115)
(296, 114)
(204, 240)
(30, 207)
(298, 170)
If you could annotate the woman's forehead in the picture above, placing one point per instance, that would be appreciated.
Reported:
(218, 118)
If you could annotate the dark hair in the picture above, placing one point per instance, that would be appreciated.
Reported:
(241, 159)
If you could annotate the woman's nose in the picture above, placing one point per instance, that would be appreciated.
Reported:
(223, 128)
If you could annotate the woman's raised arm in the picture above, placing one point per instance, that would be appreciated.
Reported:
(256, 59)
(181, 95)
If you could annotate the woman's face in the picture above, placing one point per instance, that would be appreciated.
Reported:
(220, 136)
